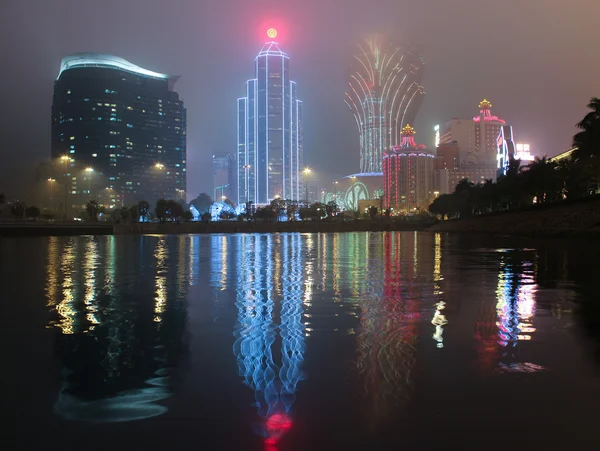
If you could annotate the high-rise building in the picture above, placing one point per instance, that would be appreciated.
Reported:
(224, 171)
(120, 131)
(476, 138)
(483, 142)
(385, 94)
(408, 175)
(269, 163)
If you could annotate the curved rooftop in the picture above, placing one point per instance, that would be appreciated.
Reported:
(272, 49)
(79, 60)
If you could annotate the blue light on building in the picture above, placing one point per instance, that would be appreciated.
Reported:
(269, 149)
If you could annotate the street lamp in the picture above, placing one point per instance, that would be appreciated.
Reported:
(306, 172)
(51, 180)
(66, 160)
(222, 188)
(89, 177)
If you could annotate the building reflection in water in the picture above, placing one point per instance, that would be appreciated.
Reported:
(514, 315)
(259, 305)
(389, 319)
(439, 319)
(117, 350)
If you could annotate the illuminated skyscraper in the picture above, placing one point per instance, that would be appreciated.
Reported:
(385, 94)
(269, 131)
(124, 122)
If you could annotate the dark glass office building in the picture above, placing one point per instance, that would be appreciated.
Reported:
(118, 132)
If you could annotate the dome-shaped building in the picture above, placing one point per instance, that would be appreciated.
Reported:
(408, 176)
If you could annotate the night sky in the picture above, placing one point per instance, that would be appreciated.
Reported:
(536, 60)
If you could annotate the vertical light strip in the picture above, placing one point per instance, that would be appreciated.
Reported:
(246, 159)
(298, 128)
(293, 180)
(283, 194)
(267, 125)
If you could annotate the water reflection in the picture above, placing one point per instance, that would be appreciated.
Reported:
(117, 351)
(514, 314)
(259, 304)
(387, 341)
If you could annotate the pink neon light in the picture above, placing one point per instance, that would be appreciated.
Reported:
(489, 119)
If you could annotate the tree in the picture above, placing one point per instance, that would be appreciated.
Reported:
(18, 210)
(174, 210)
(372, 211)
(292, 209)
(587, 143)
(278, 207)
(93, 208)
(205, 217)
(202, 203)
(160, 210)
(187, 216)
(332, 208)
(143, 209)
(2, 198)
(32, 212)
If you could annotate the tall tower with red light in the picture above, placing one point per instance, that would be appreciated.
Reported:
(269, 130)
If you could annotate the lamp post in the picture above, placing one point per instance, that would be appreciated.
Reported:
(66, 160)
(306, 172)
(222, 188)
(51, 180)
(89, 172)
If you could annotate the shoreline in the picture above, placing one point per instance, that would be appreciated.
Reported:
(577, 219)
(26, 229)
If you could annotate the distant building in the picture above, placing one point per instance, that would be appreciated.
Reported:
(484, 145)
(567, 155)
(523, 154)
(476, 138)
(408, 175)
(224, 173)
(269, 152)
(118, 131)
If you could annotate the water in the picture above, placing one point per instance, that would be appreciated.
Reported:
(299, 341)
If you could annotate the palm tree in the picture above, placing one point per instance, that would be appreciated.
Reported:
(587, 142)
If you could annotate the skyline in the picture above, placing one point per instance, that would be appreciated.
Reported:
(467, 59)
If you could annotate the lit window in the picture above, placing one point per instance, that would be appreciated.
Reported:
(72, 138)
(68, 91)
(94, 155)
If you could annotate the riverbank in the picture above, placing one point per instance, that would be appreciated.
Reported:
(569, 219)
(67, 229)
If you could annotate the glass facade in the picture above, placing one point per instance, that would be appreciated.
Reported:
(269, 132)
(122, 123)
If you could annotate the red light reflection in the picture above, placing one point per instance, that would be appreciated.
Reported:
(277, 426)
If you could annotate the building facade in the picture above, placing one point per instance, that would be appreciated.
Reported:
(408, 175)
(118, 132)
(384, 93)
(224, 173)
(269, 151)
(483, 145)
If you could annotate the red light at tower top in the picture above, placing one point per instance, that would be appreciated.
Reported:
(272, 33)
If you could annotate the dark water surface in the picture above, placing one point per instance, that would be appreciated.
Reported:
(386, 341)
